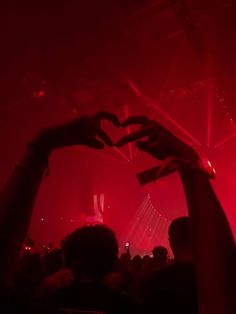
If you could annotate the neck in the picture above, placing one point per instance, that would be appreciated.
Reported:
(184, 257)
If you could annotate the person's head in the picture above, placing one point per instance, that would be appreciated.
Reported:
(179, 238)
(160, 254)
(146, 260)
(137, 262)
(91, 250)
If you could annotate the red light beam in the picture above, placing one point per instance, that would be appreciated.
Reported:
(225, 140)
(149, 102)
(121, 154)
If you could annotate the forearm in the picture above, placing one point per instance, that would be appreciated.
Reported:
(18, 197)
(213, 246)
(16, 206)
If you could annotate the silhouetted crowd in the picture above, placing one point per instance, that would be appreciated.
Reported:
(86, 274)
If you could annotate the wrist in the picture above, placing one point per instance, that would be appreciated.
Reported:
(34, 162)
(37, 152)
(202, 165)
(43, 142)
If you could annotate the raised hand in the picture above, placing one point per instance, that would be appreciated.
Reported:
(156, 140)
(85, 130)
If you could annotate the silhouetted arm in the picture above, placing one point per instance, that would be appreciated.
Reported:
(213, 245)
(213, 242)
(18, 196)
(16, 203)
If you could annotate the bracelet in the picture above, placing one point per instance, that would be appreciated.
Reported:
(172, 164)
(206, 167)
(202, 165)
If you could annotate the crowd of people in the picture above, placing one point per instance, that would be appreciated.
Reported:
(87, 275)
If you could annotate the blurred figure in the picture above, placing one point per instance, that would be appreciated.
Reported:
(173, 288)
(136, 276)
(180, 240)
(90, 252)
(125, 259)
(146, 264)
(160, 257)
(137, 264)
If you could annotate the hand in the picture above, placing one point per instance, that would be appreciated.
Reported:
(85, 130)
(159, 142)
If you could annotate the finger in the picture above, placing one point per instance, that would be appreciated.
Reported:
(94, 143)
(143, 120)
(106, 139)
(133, 137)
(107, 116)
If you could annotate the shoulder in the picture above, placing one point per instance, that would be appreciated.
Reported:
(98, 296)
(168, 277)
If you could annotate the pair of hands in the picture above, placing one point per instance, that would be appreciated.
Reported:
(151, 137)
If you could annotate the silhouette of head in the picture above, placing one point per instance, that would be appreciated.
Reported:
(91, 250)
(160, 254)
(137, 262)
(179, 238)
(146, 260)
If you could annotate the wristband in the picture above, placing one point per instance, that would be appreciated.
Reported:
(172, 164)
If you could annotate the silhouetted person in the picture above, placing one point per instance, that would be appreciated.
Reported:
(160, 257)
(90, 252)
(136, 263)
(125, 259)
(212, 242)
(146, 264)
(173, 287)
(180, 240)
